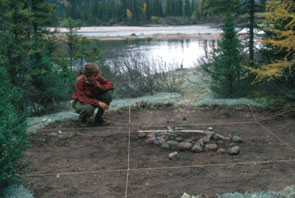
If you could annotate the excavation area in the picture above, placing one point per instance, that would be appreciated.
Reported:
(128, 158)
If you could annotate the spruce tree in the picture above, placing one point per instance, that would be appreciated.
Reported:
(14, 139)
(15, 42)
(72, 39)
(226, 69)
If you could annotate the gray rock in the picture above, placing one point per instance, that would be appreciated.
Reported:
(184, 146)
(149, 140)
(165, 137)
(197, 149)
(207, 138)
(219, 137)
(211, 147)
(173, 144)
(234, 150)
(200, 143)
(179, 139)
(165, 145)
(173, 156)
(185, 195)
(151, 135)
(158, 140)
(141, 135)
(190, 140)
(232, 144)
(219, 142)
(221, 151)
(237, 139)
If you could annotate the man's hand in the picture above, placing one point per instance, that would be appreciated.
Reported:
(102, 105)
(98, 85)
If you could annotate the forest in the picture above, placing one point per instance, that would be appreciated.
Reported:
(112, 12)
(35, 64)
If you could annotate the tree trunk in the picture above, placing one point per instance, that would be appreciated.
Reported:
(251, 33)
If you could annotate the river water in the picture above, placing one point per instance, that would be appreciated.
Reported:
(176, 53)
(153, 42)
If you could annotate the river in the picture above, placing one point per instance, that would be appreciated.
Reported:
(179, 46)
(175, 53)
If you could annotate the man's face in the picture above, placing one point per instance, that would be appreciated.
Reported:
(92, 77)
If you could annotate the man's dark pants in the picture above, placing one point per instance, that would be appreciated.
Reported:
(85, 111)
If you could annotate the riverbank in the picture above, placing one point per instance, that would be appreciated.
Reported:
(207, 36)
(201, 32)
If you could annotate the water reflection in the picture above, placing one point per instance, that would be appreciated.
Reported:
(181, 52)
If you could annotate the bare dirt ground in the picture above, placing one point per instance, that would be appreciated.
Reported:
(105, 162)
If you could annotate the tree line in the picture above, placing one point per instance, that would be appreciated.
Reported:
(108, 12)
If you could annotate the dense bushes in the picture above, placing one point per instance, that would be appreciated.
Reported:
(13, 135)
(137, 75)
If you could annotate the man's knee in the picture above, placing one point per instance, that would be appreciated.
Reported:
(84, 109)
(107, 97)
(87, 110)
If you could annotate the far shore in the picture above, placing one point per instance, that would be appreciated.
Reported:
(199, 36)
(138, 28)
(201, 32)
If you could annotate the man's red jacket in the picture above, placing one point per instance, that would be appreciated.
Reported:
(86, 92)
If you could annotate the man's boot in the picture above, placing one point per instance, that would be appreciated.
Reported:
(99, 119)
(102, 121)
(83, 122)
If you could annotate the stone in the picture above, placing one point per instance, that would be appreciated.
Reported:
(219, 142)
(221, 151)
(200, 143)
(234, 150)
(211, 147)
(173, 144)
(185, 195)
(218, 137)
(165, 137)
(232, 144)
(184, 146)
(173, 156)
(237, 139)
(158, 140)
(165, 145)
(190, 140)
(179, 139)
(197, 149)
(149, 140)
(141, 135)
(151, 135)
(207, 138)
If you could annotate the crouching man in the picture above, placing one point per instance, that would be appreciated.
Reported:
(92, 91)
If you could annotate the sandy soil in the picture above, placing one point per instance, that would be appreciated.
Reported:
(69, 161)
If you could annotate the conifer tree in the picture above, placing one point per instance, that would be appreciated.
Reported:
(72, 39)
(14, 139)
(15, 42)
(226, 69)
